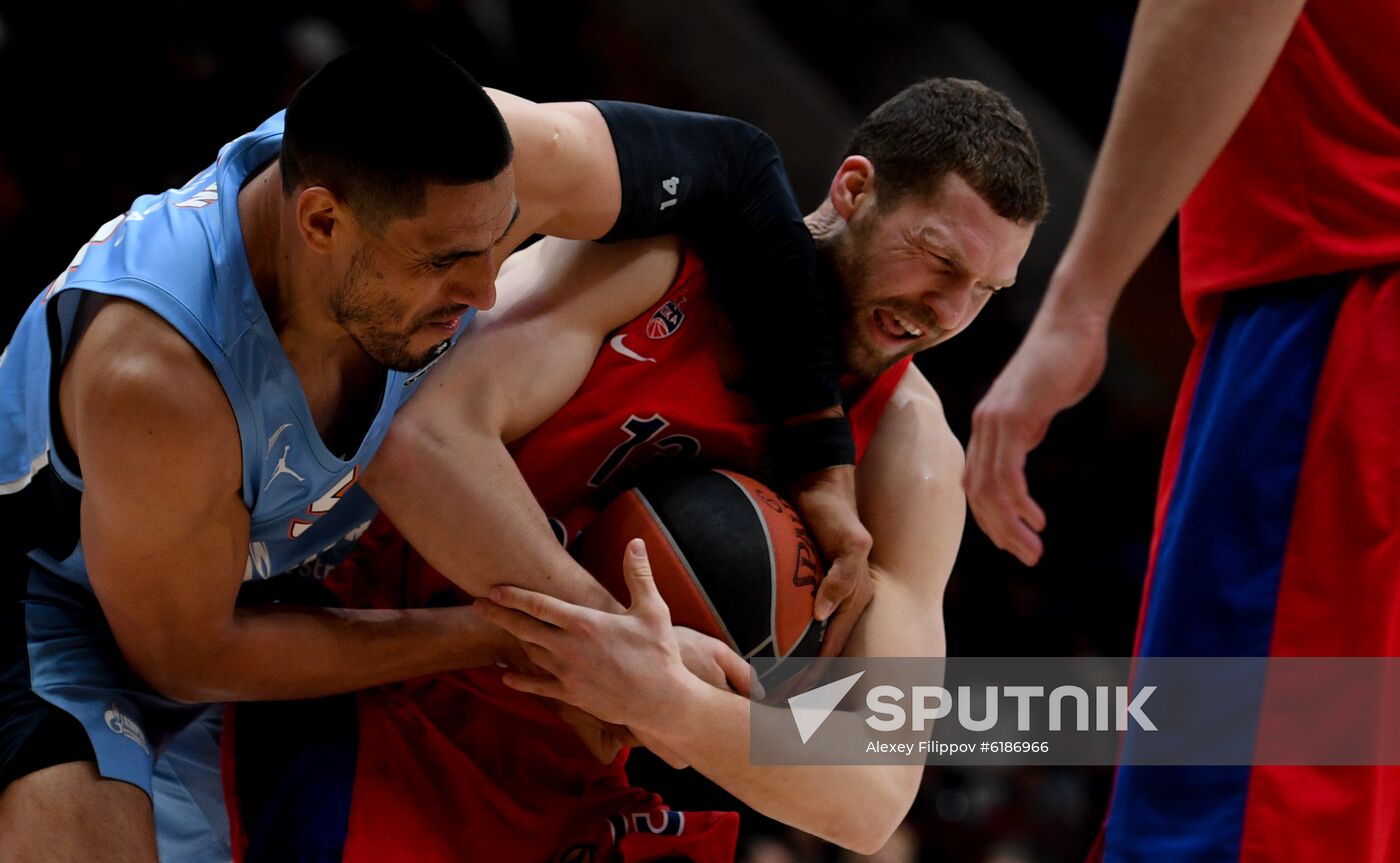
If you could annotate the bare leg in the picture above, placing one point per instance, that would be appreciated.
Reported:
(69, 814)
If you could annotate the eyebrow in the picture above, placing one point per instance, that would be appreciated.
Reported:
(941, 247)
(456, 255)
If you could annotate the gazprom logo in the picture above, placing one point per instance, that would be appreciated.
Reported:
(119, 723)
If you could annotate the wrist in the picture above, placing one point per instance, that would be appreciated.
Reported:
(1086, 283)
(681, 710)
(477, 642)
(815, 445)
(1077, 301)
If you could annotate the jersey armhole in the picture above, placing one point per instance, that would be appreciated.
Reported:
(62, 314)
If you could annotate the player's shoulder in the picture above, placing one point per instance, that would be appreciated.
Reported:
(911, 491)
(164, 239)
(129, 367)
(914, 422)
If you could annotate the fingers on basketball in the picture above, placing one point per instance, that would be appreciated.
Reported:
(728, 557)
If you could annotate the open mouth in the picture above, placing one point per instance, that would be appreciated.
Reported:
(892, 325)
(448, 324)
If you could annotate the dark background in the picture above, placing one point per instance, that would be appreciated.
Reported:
(99, 108)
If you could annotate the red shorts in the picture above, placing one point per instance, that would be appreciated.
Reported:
(457, 766)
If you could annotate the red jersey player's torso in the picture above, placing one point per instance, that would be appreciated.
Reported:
(664, 388)
(1310, 182)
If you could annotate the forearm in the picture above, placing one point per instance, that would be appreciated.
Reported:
(1192, 71)
(285, 652)
(497, 533)
(856, 806)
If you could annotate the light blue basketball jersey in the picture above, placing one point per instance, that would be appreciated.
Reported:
(181, 255)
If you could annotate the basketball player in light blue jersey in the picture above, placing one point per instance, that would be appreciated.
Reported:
(231, 354)
(192, 405)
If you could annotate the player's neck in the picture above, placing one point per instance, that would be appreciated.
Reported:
(293, 305)
(259, 205)
(825, 224)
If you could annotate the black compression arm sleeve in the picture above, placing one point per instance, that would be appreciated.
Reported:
(720, 183)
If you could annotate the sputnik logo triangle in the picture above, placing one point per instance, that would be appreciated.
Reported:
(811, 708)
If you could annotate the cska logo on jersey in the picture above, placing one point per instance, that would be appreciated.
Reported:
(665, 321)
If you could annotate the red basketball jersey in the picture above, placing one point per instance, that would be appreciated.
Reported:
(665, 387)
(1310, 182)
(461, 767)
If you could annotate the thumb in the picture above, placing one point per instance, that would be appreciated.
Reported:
(838, 583)
(736, 671)
(636, 571)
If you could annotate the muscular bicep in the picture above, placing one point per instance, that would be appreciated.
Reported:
(165, 531)
(566, 172)
(911, 499)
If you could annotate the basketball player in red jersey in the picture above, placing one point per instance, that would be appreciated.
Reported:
(1274, 127)
(586, 388)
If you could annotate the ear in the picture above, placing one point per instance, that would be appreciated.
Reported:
(853, 187)
(321, 216)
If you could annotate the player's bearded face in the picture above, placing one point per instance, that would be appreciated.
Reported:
(917, 272)
(875, 325)
(380, 321)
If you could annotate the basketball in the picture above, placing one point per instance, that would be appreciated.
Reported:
(731, 558)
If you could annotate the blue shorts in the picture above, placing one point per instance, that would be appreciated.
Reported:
(1277, 535)
(66, 694)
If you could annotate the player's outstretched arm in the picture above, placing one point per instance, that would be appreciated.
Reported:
(615, 170)
(443, 474)
(165, 534)
(1193, 69)
(601, 662)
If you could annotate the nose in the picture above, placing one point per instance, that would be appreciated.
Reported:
(950, 303)
(472, 282)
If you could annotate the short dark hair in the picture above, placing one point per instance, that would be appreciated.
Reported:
(949, 125)
(378, 123)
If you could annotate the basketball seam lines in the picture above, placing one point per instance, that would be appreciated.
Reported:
(772, 566)
(690, 570)
(752, 653)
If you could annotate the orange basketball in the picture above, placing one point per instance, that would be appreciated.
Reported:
(731, 558)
